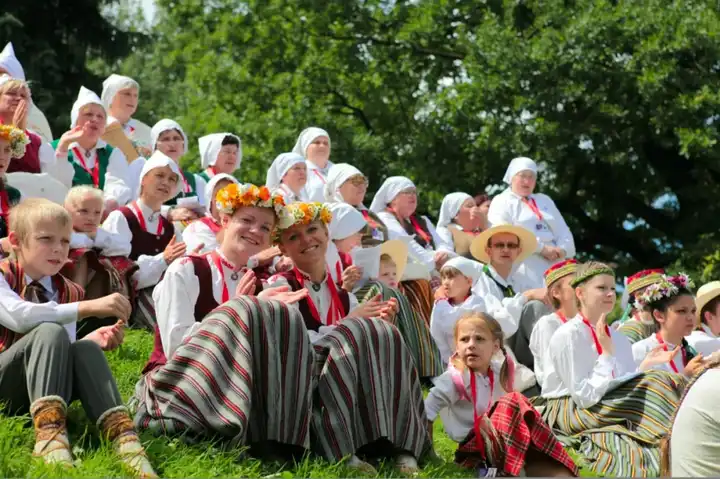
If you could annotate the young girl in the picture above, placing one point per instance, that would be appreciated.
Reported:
(152, 237)
(204, 231)
(672, 307)
(98, 260)
(562, 296)
(13, 142)
(614, 414)
(496, 427)
(287, 176)
(636, 323)
(389, 273)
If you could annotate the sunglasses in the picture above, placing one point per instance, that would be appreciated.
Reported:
(510, 246)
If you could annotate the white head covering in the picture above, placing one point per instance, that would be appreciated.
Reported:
(388, 191)
(159, 160)
(212, 184)
(164, 125)
(10, 63)
(113, 84)
(337, 175)
(210, 146)
(346, 221)
(85, 97)
(307, 136)
(450, 207)
(517, 165)
(280, 166)
(471, 269)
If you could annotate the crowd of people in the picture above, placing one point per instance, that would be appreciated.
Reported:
(291, 318)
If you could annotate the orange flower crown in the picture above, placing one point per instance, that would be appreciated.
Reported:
(304, 214)
(17, 138)
(234, 196)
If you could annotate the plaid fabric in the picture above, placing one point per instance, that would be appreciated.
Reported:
(420, 295)
(367, 389)
(414, 330)
(245, 374)
(511, 427)
(636, 331)
(620, 436)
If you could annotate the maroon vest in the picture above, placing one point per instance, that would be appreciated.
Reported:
(310, 321)
(144, 243)
(30, 162)
(203, 306)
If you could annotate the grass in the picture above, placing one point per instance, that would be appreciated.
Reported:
(173, 457)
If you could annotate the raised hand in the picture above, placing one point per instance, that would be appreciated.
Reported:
(21, 114)
(374, 308)
(694, 366)
(603, 335)
(174, 250)
(658, 356)
(246, 285)
(283, 294)
(350, 277)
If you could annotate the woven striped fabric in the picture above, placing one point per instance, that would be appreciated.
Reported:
(414, 330)
(420, 295)
(245, 374)
(367, 390)
(620, 436)
(636, 331)
(143, 312)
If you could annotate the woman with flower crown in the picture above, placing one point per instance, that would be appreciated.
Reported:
(12, 145)
(368, 400)
(226, 363)
(672, 306)
(614, 412)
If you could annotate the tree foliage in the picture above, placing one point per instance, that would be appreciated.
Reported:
(616, 100)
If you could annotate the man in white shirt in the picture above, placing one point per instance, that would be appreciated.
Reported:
(706, 338)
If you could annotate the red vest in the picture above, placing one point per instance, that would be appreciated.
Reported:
(143, 242)
(30, 163)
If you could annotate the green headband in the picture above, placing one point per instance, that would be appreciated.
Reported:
(591, 273)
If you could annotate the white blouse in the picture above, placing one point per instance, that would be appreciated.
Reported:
(151, 268)
(197, 233)
(58, 168)
(586, 375)
(704, 342)
(641, 349)
(541, 341)
(22, 316)
(443, 318)
(289, 196)
(456, 413)
(109, 244)
(506, 311)
(424, 256)
(321, 299)
(316, 179)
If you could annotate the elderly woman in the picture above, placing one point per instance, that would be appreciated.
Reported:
(219, 153)
(202, 234)
(459, 223)
(287, 177)
(120, 96)
(313, 144)
(517, 205)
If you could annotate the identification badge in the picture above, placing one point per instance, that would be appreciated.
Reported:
(541, 226)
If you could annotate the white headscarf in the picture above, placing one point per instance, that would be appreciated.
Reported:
(471, 269)
(346, 221)
(210, 146)
(165, 125)
(337, 175)
(212, 184)
(517, 165)
(113, 84)
(392, 187)
(10, 63)
(307, 136)
(450, 207)
(280, 166)
(85, 97)
(159, 160)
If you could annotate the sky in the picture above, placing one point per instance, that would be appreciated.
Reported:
(149, 9)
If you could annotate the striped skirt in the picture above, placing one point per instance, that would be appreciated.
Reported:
(620, 436)
(508, 431)
(420, 295)
(367, 390)
(414, 330)
(636, 331)
(246, 375)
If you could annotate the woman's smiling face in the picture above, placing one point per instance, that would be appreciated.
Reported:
(305, 244)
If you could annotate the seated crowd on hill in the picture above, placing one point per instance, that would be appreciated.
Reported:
(291, 318)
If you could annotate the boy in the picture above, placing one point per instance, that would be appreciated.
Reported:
(38, 353)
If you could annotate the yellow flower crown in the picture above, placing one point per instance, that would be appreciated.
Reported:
(17, 138)
(304, 214)
(235, 196)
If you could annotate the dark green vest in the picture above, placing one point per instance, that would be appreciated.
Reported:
(204, 176)
(190, 178)
(84, 177)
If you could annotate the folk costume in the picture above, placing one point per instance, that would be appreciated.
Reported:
(204, 230)
(210, 146)
(278, 169)
(317, 177)
(137, 132)
(10, 196)
(632, 324)
(450, 232)
(189, 182)
(702, 339)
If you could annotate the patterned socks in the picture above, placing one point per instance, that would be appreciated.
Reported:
(51, 441)
(118, 427)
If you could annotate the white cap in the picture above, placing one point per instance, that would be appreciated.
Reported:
(10, 63)
(85, 97)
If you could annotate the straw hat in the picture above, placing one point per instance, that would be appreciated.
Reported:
(528, 243)
(398, 251)
(705, 294)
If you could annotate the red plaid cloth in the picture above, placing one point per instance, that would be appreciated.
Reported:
(511, 426)
(119, 269)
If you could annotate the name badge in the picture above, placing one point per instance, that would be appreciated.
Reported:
(377, 234)
(541, 226)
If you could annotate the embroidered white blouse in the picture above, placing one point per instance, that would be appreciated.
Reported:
(541, 341)
(641, 349)
(417, 253)
(109, 244)
(151, 268)
(443, 318)
(444, 400)
(198, 233)
(586, 375)
(704, 342)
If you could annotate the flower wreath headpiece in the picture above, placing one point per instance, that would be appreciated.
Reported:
(305, 213)
(17, 138)
(234, 196)
(668, 286)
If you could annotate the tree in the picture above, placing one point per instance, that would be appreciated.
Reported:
(616, 100)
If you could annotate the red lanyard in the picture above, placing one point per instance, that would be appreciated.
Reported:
(322, 178)
(186, 186)
(665, 348)
(4, 205)
(476, 418)
(211, 169)
(219, 263)
(594, 334)
(533, 206)
(141, 219)
(335, 311)
(95, 173)
(562, 317)
(371, 222)
(416, 226)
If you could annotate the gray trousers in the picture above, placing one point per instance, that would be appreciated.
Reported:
(520, 341)
(45, 363)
